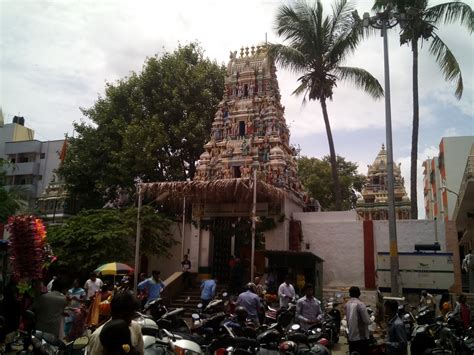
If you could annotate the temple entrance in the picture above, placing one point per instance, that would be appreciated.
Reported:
(231, 236)
(221, 248)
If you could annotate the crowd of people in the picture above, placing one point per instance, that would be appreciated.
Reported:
(108, 310)
(70, 312)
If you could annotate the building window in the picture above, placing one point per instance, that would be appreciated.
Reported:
(241, 128)
(237, 172)
(42, 155)
(40, 177)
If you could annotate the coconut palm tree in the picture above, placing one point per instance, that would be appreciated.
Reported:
(315, 47)
(419, 24)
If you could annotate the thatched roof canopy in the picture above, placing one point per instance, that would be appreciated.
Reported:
(216, 191)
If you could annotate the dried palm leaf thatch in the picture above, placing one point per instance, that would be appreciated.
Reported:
(216, 191)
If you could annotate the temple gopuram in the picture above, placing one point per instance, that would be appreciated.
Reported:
(248, 132)
(373, 203)
(249, 126)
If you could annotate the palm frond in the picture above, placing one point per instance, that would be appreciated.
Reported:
(341, 12)
(451, 12)
(301, 89)
(448, 63)
(288, 57)
(361, 79)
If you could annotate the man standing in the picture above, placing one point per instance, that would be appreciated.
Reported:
(286, 292)
(308, 309)
(397, 342)
(92, 286)
(153, 286)
(186, 268)
(427, 300)
(76, 295)
(251, 302)
(49, 310)
(358, 321)
(208, 291)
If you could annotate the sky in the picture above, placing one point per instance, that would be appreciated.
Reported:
(56, 56)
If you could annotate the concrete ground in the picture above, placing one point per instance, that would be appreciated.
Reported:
(340, 348)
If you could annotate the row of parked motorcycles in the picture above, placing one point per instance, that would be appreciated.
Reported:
(429, 334)
(216, 328)
(219, 329)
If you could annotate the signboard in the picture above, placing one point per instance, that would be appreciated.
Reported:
(418, 270)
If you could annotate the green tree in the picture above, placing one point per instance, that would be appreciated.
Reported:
(151, 125)
(12, 200)
(316, 177)
(421, 21)
(317, 47)
(95, 237)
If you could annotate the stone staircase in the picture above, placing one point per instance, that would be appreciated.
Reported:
(189, 299)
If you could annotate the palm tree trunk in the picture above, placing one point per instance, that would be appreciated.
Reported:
(332, 151)
(414, 136)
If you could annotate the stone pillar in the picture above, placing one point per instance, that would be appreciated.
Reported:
(194, 241)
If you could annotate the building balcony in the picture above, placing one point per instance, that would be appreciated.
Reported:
(30, 168)
(464, 209)
(22, 147)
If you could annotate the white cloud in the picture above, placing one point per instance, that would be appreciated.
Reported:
(57, 56)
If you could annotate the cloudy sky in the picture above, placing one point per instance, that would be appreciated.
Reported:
(57, 55)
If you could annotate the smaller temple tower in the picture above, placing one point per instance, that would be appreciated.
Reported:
(373, 203)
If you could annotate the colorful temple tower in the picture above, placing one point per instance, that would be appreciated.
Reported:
(373, 203)
(249, 126)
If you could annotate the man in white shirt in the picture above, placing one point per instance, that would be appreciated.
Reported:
(286, 292)
(358, 321)
(123, 306)
(308, 309)
(92, 286)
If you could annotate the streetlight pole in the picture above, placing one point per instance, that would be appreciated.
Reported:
(383, 21)
(139, 235)
(255, 166)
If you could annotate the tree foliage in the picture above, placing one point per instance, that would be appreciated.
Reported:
(12, 200)
(151, 125)
(316, 48)
(315, 175)
(95, 237)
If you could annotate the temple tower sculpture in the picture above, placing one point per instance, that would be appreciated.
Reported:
(373, 203)
(249, 126)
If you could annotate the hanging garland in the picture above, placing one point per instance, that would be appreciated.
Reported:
(29, 252)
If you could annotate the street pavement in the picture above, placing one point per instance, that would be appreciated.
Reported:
(340, 348)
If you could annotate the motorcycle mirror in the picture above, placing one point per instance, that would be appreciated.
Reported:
(200, 305)
(195, 316)
(295, 327)
(80, 343)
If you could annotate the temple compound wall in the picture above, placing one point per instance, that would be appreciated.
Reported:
(349, 246)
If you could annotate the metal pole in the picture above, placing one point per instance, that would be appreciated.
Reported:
(184, 222)
(392, 227)
(254, 216)
(137, 241)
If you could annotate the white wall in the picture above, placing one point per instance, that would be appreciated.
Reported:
(173, 264)
(338, 242)
(409, 232)
(339, 239)
(456, 151)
